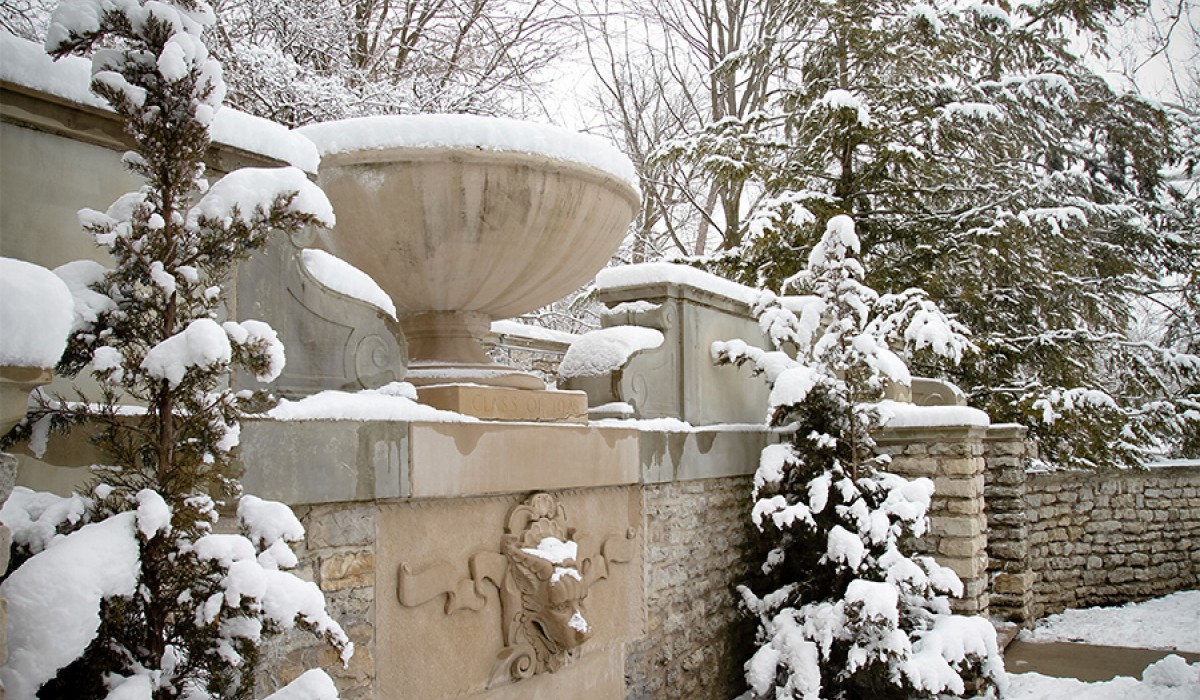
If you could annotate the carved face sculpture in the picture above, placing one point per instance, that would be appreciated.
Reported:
(552, 593)
(562, 621)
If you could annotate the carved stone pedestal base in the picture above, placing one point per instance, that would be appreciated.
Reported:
(15, 385)
(496, 403)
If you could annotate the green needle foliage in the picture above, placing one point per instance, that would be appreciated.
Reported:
(983, 162)
(166, 419)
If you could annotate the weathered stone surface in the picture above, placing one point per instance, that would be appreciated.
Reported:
(348, 570)
(697, 640)
(498, 403)
(1087, 541)
(423, 652)
(341, 525)
(959, 487)
(965, 526)
(678, 379)
(1013, 584)
(467, 459)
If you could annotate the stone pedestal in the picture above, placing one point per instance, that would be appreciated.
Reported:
(502, 404)
(15, 385)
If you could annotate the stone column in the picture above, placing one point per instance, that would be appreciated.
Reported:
(1008, 528)
(953, 457)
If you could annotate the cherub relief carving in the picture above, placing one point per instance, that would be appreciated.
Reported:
(543, 572)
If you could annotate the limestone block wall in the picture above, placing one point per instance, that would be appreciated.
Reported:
(953, 457)
(1103, 538)
(1008, 524)
(699, 547)
(338, 554)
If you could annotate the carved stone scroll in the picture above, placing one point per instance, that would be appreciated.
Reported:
(543, 573)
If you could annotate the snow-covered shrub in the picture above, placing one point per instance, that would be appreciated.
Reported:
(131, 592)
(848, 611)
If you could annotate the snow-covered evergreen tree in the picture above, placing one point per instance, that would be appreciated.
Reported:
(849, 613)
(137, 595)
(984, 162)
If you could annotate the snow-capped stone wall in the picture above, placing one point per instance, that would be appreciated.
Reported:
(1076, 539)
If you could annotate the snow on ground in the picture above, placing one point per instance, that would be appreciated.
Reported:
(1171, 622)
(1170, 679)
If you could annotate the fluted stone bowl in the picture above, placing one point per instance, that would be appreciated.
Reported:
(465, 219)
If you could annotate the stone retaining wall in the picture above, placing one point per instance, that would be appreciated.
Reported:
(1008, 531)
(1076, 539)
(338, 554)
(699, 547)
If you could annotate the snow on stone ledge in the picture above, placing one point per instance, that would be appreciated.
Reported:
(36, 313)
(906, 415)
(516, 329)
(394, 402)
(470, 131)
(346, 279)
(645, 274)
(27, 64)
(606, 350)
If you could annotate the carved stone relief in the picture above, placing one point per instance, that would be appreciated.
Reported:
(332, 341)
(543, 572)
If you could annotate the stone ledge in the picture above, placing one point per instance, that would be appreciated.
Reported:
(324, 461)
(468, 459)
(928, 434)
(504, 404)
(701, 454)
(329, 461)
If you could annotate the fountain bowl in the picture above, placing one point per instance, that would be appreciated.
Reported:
(463, 220)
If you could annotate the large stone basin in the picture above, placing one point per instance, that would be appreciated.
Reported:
(463, 220)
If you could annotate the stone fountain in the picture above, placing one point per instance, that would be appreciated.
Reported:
(463, 220)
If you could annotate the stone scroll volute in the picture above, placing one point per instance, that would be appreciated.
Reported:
(543, 571)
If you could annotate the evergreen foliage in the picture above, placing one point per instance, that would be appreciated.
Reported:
(848, 611)
(146, 330)
(985, 163)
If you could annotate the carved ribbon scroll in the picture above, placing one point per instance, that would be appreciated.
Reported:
(543, 572)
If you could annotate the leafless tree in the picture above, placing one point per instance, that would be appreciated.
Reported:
(680, 82)
(297, 62)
